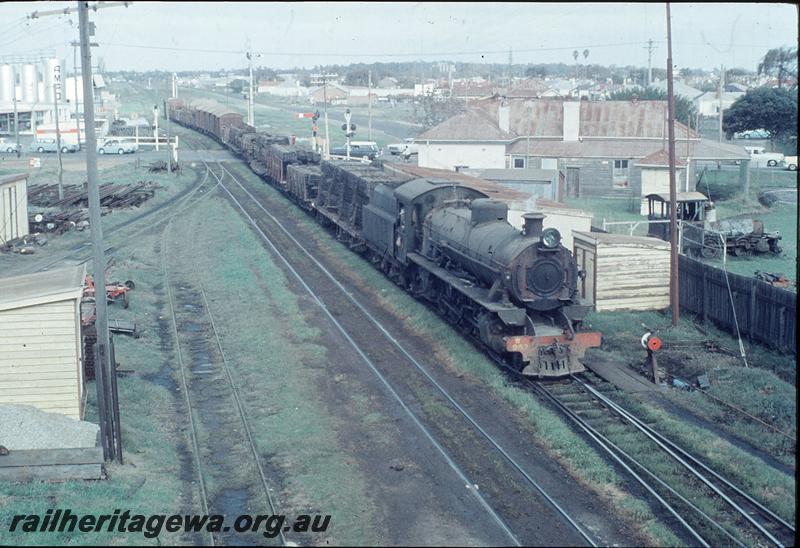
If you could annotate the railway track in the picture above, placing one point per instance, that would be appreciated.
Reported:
(409, 382)
(738, 519)
(83, 252)
(226, 461)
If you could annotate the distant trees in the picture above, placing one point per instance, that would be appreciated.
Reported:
(684, 108)
(430, 111)
(780, 63)
(773, 109)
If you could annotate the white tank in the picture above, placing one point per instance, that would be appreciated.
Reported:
(51, 69)
(7, 84)
(30, 84)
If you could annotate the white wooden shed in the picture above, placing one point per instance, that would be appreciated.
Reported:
(41, 351)
(623, 272)
(13, 207)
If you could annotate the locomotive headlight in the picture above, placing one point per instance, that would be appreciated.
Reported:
(551, 238)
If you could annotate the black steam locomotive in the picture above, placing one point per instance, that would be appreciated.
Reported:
(446, 243)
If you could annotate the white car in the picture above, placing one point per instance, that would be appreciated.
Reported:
(398, 148)
(760, 158)
(116, 146)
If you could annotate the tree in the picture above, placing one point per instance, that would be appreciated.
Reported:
(773, 109)
(779, 62)
(430, 111)
(684, 108)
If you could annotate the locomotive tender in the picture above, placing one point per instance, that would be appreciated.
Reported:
(444, 242)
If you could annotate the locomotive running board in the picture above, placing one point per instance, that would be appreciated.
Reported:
(508, 313)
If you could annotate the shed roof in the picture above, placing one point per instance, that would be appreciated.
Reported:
(5, 179)
(660, 158)
(514, 174)
(679, 196)
(42, 287)
(606, 238)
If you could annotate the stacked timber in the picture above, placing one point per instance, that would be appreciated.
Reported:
(622, 272)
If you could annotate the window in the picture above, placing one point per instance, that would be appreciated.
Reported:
(620, 174)
(519, 163)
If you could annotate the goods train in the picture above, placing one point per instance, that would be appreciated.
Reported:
(515, 292)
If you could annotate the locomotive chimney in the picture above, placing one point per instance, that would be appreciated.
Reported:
(533, 224)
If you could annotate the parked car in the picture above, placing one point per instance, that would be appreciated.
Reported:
(116, 146)
(759, 157)
(752, 134)
(358, 149)
(49, 144)
(790, 163)
(398, 148)
(9, 146)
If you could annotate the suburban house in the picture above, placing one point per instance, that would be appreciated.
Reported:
(681, 90)
(332, 92)
(597, 145)
(708, 103)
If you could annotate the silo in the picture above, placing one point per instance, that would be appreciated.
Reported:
(7, 84)
(30, 84)
(52, 75)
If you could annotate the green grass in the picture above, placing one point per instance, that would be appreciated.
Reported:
(276, 360)
(460, 357)
(765, 389)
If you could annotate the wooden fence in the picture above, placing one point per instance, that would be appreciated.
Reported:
(766, 314)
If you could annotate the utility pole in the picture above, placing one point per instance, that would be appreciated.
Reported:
(75, 46)
(56, 93)
(155, 124)
(16, 119)
(719, 93)
(250, 56)
(325, 107)
(106, 377)
(169, 151)
(649, 62)
(674, 296)
(369, 105)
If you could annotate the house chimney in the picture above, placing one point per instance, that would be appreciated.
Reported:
(504, 116)
(533, 223)
(572, 120)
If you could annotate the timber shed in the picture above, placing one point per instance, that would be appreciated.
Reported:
(13, 207)
(41, 352)
(622, 272)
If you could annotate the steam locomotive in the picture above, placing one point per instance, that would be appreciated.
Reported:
(446, 243)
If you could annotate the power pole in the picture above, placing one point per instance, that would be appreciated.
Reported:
(369, 105)
(56, 92)
(16, 119)
(510, 63)
(169, 151)
(325, 107)
(649, 62)
(75, 46)
(250, 92)
(719, 93)
(106, 376)
(674, 296)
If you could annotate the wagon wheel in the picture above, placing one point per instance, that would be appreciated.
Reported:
(775, 247)
(742, 248)
(712, 248)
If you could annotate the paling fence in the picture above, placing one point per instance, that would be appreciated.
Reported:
(764, 313)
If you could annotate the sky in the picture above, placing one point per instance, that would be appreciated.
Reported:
(211, 36)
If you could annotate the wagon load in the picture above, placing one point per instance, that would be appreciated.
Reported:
(346, 188)
(303, 183)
